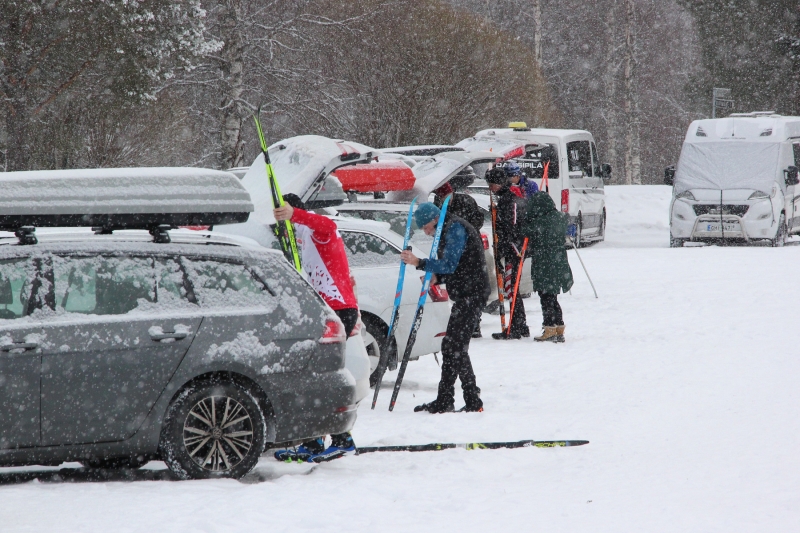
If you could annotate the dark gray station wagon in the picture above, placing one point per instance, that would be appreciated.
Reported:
(114, 352)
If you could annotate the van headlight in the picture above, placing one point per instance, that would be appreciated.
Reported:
(758, 195)
(686, 195)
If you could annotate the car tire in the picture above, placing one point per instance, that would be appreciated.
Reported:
(213, 430)
(676, 243)
(115, 462)
(780, 237)
(578, 230)
(377, 345)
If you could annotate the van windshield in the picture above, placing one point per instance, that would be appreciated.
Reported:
(728, 165)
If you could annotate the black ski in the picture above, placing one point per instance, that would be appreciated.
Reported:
(437, 446)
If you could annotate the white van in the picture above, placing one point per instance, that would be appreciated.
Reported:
(736, 180)
(575, 174)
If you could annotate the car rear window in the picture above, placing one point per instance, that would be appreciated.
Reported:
(226, 284)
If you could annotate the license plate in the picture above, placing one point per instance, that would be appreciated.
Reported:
(714, 228)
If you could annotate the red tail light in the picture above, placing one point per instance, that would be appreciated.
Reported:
(196, 228)
(438, 294)
(485, 240)
(334, 332)
(565, 200)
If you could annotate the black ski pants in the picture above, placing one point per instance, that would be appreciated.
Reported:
(349, 318)
(551, 310)
(519, 324)
(464, 316)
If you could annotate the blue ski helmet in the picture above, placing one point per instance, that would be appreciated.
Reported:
(512, 169)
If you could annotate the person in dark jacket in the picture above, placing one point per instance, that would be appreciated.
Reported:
(546, 229)
(510, 212)
(462, 266)
(462, 205)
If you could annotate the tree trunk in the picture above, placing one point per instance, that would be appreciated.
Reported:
(537, 32)
(633, 159)
(610, 87)
(231, 144)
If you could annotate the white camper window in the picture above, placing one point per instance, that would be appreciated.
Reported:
(796, 148)
(595, 161)
(580, 158)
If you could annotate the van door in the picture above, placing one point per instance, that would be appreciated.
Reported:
(596, 192)
(581, 179)
(793, 220)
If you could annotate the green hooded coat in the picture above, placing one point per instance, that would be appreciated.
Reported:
(546, 229)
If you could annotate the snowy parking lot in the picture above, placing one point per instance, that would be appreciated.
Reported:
(683, 376)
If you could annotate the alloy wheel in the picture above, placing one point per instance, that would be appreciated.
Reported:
(218, 433)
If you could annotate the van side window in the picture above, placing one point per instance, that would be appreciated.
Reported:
(580, 157)
(595, 161)
(796, 148)
(103, 285)
(16, 277)
(222, 284)
(535, 160)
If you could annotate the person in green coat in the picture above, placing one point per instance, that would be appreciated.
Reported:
(546, 229)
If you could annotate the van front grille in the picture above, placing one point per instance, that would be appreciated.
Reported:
(714, 209)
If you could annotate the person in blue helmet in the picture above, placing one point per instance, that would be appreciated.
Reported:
(525, 187)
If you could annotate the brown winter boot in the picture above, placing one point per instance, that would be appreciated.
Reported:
(550, 334)
(560, 332)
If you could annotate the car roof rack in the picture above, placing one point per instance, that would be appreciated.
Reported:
(154, 199)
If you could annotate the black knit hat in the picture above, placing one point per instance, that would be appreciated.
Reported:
(496, 175)
(294, 201)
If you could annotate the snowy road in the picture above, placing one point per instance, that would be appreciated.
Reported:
(683, 375)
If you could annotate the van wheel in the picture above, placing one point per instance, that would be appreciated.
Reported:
(379, 349)
(213, 430)
(676, 243)
(579, 231)
(780, 237)
(602, 231)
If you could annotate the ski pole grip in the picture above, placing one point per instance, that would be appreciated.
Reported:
(408, 248)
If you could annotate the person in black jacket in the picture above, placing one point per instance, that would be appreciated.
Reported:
(462, 266)
(462, 205)
(510, 213)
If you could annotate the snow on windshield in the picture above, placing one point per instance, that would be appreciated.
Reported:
(728, 165)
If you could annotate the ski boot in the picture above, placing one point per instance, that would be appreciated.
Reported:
(435, 407)
(503, 336)
(341, 445)
(301, 453)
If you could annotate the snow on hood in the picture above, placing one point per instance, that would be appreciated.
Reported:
(729, 165)
(300, 165)
(433, 172)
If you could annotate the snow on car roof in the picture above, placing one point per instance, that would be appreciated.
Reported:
(125, 197)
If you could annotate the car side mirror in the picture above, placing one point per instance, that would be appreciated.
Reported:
(791, 176)
(669, 175)
(605, 171)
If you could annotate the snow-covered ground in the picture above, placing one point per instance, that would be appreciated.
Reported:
(683, 375)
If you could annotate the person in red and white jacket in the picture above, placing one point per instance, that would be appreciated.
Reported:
(324, 260)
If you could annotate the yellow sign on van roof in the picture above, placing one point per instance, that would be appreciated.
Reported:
(517, 125)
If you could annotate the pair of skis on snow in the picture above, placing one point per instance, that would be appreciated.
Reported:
(423, 295)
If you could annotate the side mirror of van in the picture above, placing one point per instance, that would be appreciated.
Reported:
(669, 175)
(605, 171)
(791, 176)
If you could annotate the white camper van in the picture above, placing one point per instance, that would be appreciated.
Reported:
(575, 174)
(736, 180)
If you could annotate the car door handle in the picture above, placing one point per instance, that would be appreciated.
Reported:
(177, 335)
(19, 346)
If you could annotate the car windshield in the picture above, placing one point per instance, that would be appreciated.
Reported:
(728, 165)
